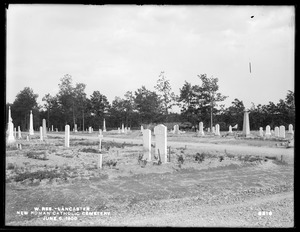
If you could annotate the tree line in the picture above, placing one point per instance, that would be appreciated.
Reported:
(71, 105)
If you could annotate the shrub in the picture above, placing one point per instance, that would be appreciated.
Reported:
(199, 157)
(40, 155)
(39, 175)
(90, 150)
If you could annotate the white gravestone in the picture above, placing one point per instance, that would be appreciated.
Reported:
(291, 130)
(44, 129)
(67, 136)
(75, 128)
(100, 161)
(142, 128)
(160, 132)
(213, 130)
(268, 131)
(282, 132)
(11, 137)
(41, 133)
(230, 129)
(15, 132)
(56, 129)
(31, 132)
(201, 132)
(261, 132)
(123, 130)
(52, 128)
(276, 131)
(246, 124)
(19, 133)
(147, 143)
(218, 129)
(90, 130)
(176, 129)
(104, 126)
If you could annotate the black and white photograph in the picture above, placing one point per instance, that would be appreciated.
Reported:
(149, 116)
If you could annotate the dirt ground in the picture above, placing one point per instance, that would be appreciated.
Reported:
(241, 182)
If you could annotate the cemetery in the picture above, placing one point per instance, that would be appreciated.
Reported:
(141, 177)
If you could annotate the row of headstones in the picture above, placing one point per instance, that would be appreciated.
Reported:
(160, 132)
(124, 129)
(278, 131)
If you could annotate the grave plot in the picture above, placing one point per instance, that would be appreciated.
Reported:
(191, 182)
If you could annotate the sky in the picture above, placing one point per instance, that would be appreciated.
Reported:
(118, 48)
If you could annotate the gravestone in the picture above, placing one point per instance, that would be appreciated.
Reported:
(208, 130)
(128, 128)
(230, 129)
(31, 132)
(160, 132)
(123, 130)
(282, 131)
(268, 131)
(19, 133)
(276, 131)
(104, 126)
(15, 132)
(90, 130)
(246, 124)
(147, 143)
(291, 129)
(176, 129)
(41, 133)
(10, 128)
(52, 128)
(261, 132)
(119, 131)
(213, 130)
(56, 129)
(217, 129)
(67, 136)
(44, 129)
(142, 128)
(100, 161)
(201, 132)
(75, 128)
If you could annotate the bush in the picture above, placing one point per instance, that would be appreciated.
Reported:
(199, 157)
(39, 175)
(90, 150)
(40, 155)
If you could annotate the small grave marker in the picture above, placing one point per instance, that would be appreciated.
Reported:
(67, 136)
